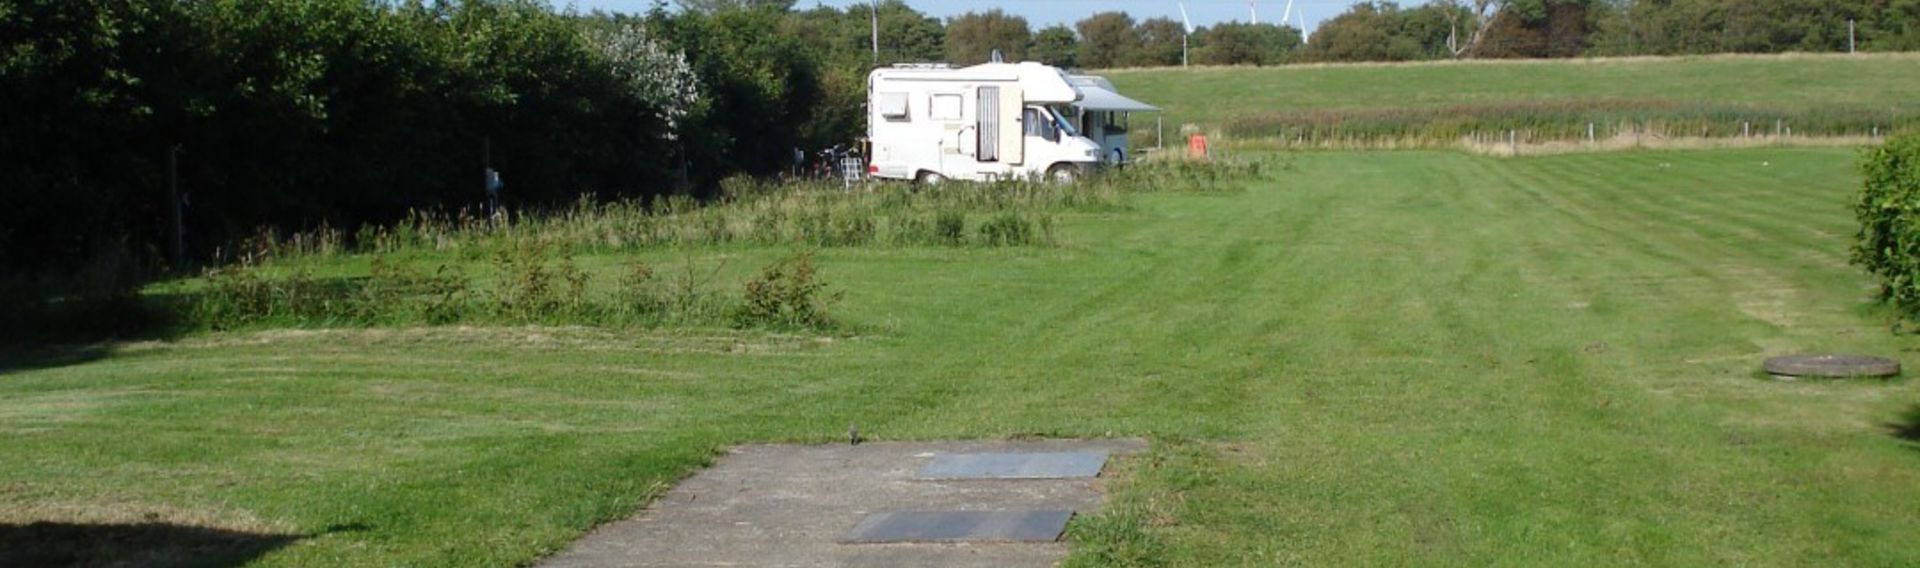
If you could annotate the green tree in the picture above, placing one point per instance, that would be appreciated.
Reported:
(1105, 39)
(1368, 31)
(759, 84)
(1897, 28)
(845, 37)
(1632, 27)
(843, 44)
(298, 112)
(906, 35)
(1535, 28)
(1428, 28)
(1056, 46)
(715, 6)
(1234, 43)
(1160, 43)
(972, 37)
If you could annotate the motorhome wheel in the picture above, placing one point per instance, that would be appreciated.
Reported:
(1064, 173)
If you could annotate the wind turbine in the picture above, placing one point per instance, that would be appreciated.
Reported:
(1286, 15)
(1300, 19)
(1183, 37)
(1254, 11)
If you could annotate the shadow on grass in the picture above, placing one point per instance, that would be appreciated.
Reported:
(51, 334)
(29, 357)
(1907, 427)
(142, 544)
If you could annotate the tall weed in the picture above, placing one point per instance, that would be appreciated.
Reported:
(799, 213)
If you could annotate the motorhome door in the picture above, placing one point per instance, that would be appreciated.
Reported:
(987, 125)
(1001, 134)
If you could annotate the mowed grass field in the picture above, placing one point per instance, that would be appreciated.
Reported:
(1364, 358)
(1742, 87)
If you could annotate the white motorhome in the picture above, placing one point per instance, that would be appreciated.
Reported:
(1103, 115)
(931, 123)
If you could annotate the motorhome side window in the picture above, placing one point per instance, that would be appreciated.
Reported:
(945, 107)
(893, 106)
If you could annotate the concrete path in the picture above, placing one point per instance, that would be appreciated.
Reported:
(790, 506)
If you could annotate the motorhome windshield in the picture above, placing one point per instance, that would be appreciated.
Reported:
(1046, 122)
(1062, 123)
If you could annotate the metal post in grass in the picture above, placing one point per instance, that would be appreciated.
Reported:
(1746, 129)
(1850, 37)
(1590, 139)
(1513, 142)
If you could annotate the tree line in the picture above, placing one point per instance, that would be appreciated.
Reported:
(1386, 31)
(291, 114)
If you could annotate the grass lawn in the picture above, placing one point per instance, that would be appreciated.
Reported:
(1368, 358)
(1765, 85)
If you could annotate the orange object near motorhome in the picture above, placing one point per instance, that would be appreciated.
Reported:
(1197, 147)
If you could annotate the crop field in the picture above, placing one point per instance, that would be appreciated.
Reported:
(1710, 96)
(1355, 358)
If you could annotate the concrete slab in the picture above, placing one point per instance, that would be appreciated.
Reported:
(960, 526)
(1015, 465)
(769, 505)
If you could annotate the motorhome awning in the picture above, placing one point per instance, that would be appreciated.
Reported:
(1097, 98)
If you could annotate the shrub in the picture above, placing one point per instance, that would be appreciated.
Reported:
(1006, 230)
(640, 292)
(949, 227)
(786, 294)
(1888, 244)
(397, 293)
(906, 229)
(839, 227)
(527, 288)
(244, 294)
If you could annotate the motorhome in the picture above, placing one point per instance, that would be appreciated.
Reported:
(931, 123)
(1104, 115)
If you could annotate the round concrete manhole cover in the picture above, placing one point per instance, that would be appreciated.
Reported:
(1831, 366)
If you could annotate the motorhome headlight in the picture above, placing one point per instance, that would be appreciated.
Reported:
(1092, 153)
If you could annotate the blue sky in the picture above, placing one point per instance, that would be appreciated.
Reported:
(1043, 13)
